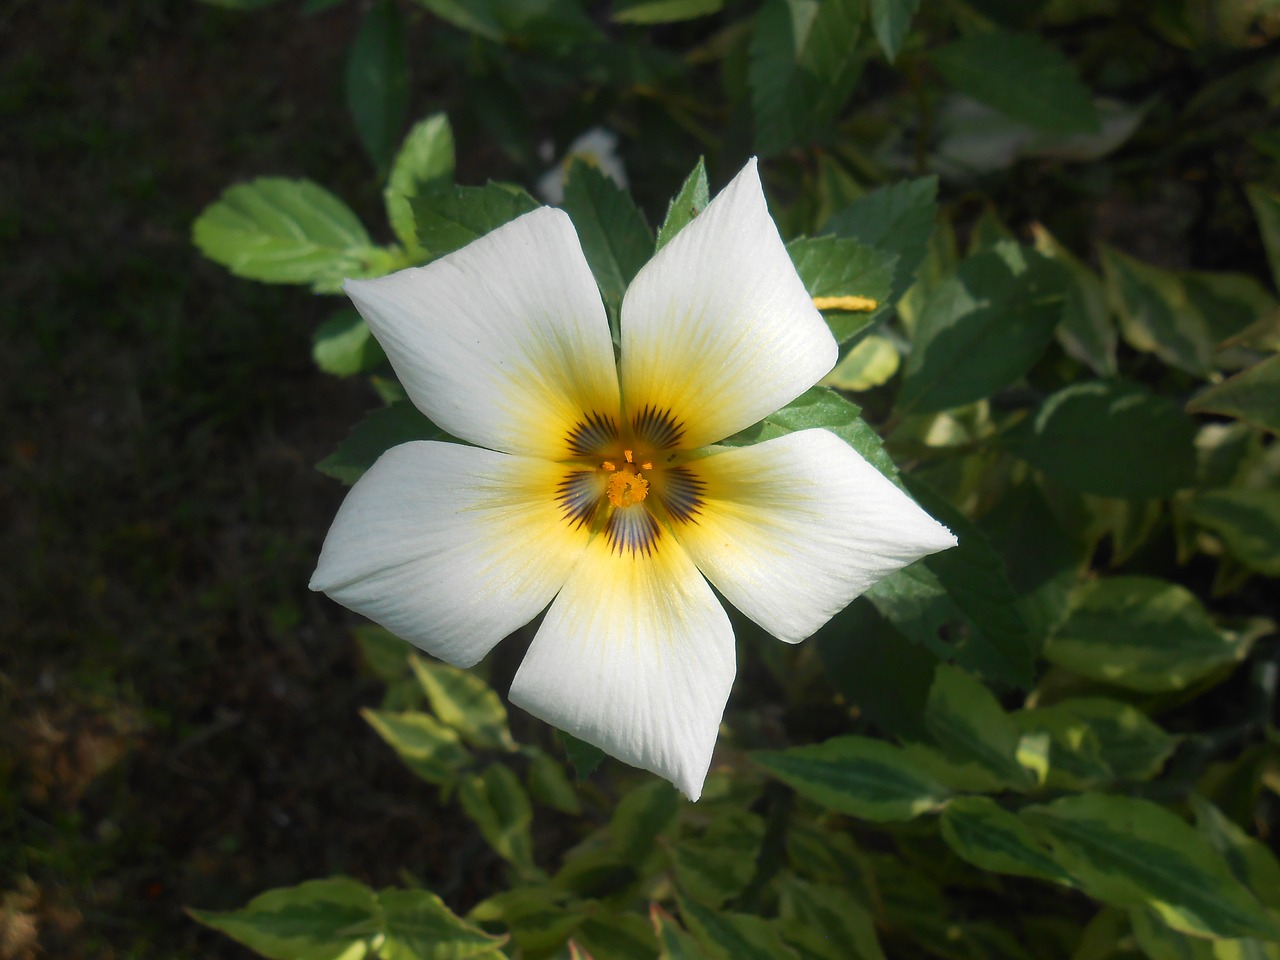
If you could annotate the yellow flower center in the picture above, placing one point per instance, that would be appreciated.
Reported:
(626, 485)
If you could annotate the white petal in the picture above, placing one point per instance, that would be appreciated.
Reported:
(504, 343)
(792, 529)
(717, 328)
(450, 547)
(636, 656)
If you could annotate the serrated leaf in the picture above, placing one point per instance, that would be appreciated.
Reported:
(821, 407)
(420, 927)
(1111, 438)
(891, 19)
(992, 838)
(616, 240)
(1252, 395)
(1248, 521)
(896, 219)
(344, 346)
(288, 231)
(1022, 76)
(378, 81)
(838, 267)
(859, 776)
(804, 61)
(497, 802)
(692, 199)
(448, 218)
(464, 702)
(982, 328)
(1131, 853)
(427, 747)
(373, 436)
(1143, 634)
(425, 161)
(663, 11)
(968, 723)
(332, 919)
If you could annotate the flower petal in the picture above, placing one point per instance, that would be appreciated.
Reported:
(450, 547)
(792, 529)
(503, 343)
(636, 656)
(718, 329)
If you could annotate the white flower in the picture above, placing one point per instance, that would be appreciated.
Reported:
(592, 485)
(597, 147)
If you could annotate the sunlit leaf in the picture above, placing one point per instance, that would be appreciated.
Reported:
(1156, 313)
(616, 240)
(448, 218)
(463, 701)
(1248, 521)
(497, 802)
(968, 723)
(837, 267)
(288, 231)
(692, 199)
(427, 747)
(872, 361)
(425, 160)
(343, 345)
(896, 219)
(420, 927)
(1131, 852)
(1143, 634)
(992, 838)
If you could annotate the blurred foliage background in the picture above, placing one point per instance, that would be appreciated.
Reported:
(183, 720)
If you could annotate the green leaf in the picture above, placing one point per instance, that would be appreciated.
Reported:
(616, 240)
(427, 747)
(473, 16)
(1133, 853)
(378, 81)
(333, 919)
(288, 231)
(1229, 303)
(343, 345)
(718, 863)
(385, 653)
(982, 328)
(1252, 395)
(804, 62)
(605, 933)
(425, 161)
(872, 362)
(1248, 521)
(642, 814)
(865, 778)
(1156, 313)
(1111, 438)
(539, 917)
(896, 219)
(1142, 634)
(1086, 332)
(959, 602)
(1251, 862)
(585, 757)
(891, 19)
(463, 701)
(1266, 208)
(842, 928)
(673, 942)
(663, 11)
(821, 407)
(498, 804)
(840, 267)
(448, 218)
(549, 785)
(692, 199)
(1115, 740)
(968, 723)
(734, 936)
(373, 436)
(1022, 76)
(420, 927)
(991, 838)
